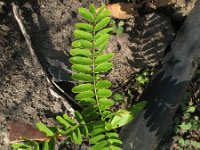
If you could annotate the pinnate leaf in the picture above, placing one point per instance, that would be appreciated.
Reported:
(82, 77)
(104, 58)
(86, 14)
(82, 88)
(103, 67)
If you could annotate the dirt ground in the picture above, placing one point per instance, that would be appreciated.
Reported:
(25, 93)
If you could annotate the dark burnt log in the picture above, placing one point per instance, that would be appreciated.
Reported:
(166, 88)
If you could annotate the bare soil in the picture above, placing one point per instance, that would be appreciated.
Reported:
(26, 94)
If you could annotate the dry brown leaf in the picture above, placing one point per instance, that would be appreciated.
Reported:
(19, 131)
(122, 10)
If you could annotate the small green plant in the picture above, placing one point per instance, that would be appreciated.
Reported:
(118, 27)
(187, 126)
(97, 121)
(142, 79)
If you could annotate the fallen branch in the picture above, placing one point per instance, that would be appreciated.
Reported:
(26, 36)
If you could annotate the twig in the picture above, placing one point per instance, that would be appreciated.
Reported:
(26, 36)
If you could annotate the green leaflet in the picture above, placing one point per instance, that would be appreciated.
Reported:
(103, 39)
(101, 32)
(103, 67)
(69, 120)
(22, 146)
(45, 145)
(81, 60)
(83, 95)
(82, 77)
(86, 14)
(81, 68)
(80, 52)
(101, 9)
(76, 136)
(84, 26)
(100, 145)
(79, 34)
(92, 8)
(105, 103)
(103, 58)
(87, 102)
(82, 44)
(43, 128)
(102, 15)
(102, 24)
(96, 139)
(103, 84)
(104, 93)
(82, 88)
(62, 122)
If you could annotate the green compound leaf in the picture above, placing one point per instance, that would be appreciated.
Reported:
(84, 26)
(82, 44)
(105, 103)
(102, 32)
(79, 34)
(81, 68)
(82, 77)
(82, 88)
(43, 128)
(100, 145)
(62, 121)
(104, 93)
(86, 14)
(101, 40)
(102, 24)
(92, 8)
(103, 67)
(76, 136)
(103, 84)
(84, 95)
(69, 120)
(104, 58)
(45, 145)
(102, 15)
(96, 139)
(81, 60)
(80, 52)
